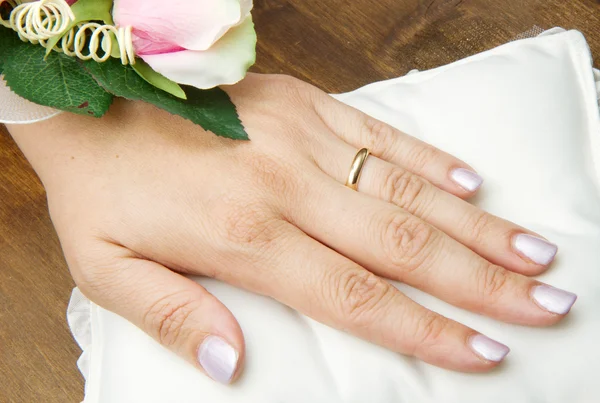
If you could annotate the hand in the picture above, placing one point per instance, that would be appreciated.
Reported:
(140, 197)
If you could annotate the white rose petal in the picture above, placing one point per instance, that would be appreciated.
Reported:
(226, 62)
(190, 24)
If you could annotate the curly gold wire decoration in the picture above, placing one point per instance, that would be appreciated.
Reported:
(12, 4)
(38, 21)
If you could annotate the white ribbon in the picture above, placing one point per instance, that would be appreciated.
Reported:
(17, 110)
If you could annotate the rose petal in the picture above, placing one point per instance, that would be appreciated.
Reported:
(146, 44)
(226, 62)
(194, 25)
(246, 7)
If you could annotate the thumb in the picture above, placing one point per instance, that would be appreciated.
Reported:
(177, 312)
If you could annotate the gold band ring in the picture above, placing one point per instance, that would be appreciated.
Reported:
(356, 168)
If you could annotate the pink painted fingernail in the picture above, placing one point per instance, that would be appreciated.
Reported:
(218, 358)
(488, 349)
(553, 299)
(537, 249)
(466, 179)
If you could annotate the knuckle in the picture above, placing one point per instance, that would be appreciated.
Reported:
(292, 88)
(284, 79)
(167, 317)
(407, 242)
(378, 136)
(493, 281)
(251, 226)
(275, 175)
(422, 155)
(478, 225)
(360, 294)
(405, 190)
(429, 330)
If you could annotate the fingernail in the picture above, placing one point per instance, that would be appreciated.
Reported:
(488, 349)
(466, 179)
(537, 249)
(553, 299)
(218, 359)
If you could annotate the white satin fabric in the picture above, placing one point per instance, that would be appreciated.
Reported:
(525, 115)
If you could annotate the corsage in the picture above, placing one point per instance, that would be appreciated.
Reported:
(77, 55)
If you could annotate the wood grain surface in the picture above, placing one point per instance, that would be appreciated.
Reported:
(338, 45)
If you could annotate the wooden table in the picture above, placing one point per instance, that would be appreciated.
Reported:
(337, 45)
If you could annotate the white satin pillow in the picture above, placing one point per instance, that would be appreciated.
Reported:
(525, 115)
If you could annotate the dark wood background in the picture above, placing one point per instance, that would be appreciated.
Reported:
(338, 45)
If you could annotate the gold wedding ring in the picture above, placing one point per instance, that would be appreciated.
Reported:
(356, 168)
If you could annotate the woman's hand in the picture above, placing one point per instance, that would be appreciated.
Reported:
(140, 197)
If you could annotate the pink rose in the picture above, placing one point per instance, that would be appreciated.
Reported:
(203, 43)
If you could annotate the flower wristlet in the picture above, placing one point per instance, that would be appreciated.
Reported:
(77, 55)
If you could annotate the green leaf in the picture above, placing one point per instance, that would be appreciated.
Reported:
(211, 109)
(157, 79)
(93, 10)
(9, 40)
(59, 82)
(86, 10)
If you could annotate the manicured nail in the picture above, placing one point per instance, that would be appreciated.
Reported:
(488, 349)
(466, 179)
(218, 359)
(537, 249)
(553, 299)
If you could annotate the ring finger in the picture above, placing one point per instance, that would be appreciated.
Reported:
(499, 241)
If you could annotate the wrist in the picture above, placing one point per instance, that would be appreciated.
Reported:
(65, 144)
